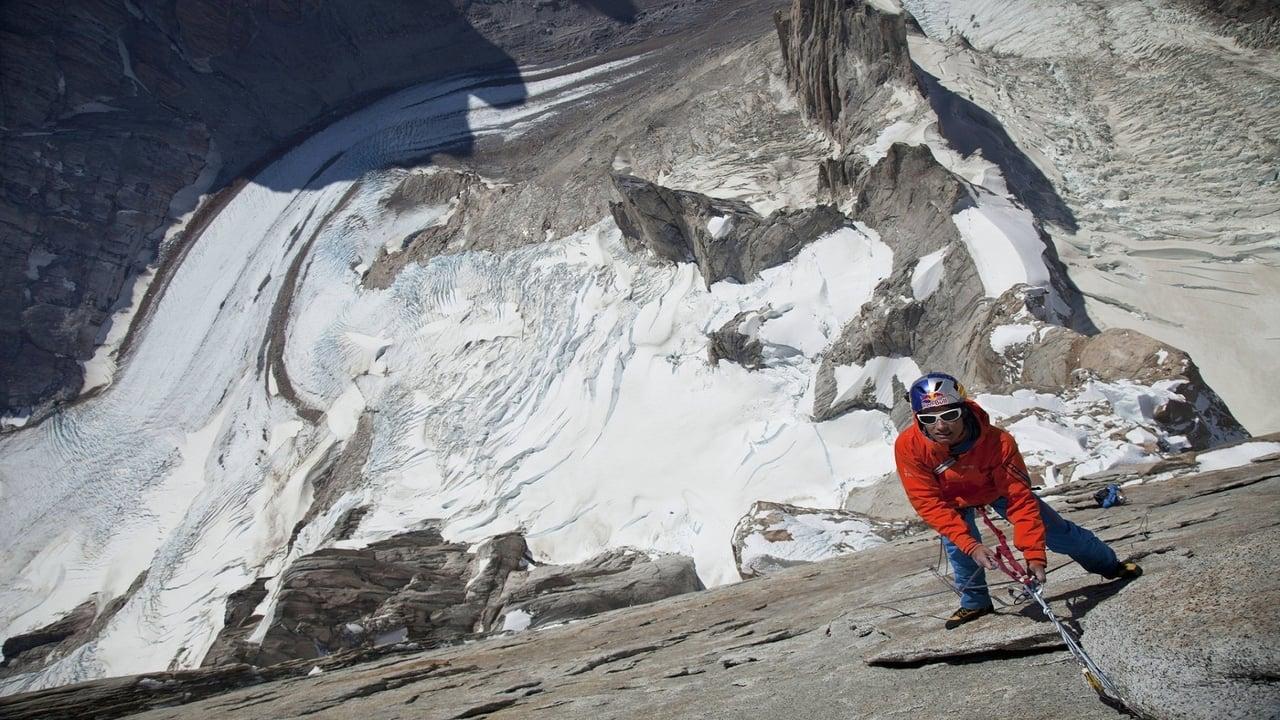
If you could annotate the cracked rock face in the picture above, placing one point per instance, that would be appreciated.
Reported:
(550, 594)
(410, 587)
(725, 238)
(859, 628)
(843, 60)
(416, 588)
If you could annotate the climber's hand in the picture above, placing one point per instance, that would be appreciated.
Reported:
(1037, 570)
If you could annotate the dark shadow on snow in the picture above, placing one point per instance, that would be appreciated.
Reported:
(970, 129)
(469, 66)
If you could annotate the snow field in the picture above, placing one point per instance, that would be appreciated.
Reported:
(188, 466)
(599, 423)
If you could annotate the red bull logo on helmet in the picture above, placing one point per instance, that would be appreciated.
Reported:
(934, 390)
(935, 398)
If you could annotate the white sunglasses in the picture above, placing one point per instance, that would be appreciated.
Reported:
(951, 415)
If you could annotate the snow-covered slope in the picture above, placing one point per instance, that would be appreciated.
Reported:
(1154, 137)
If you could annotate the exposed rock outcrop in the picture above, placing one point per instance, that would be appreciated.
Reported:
(447, 201)
(33, 650)
(412, 587)
(910, 198)
(725, 238)
(738, 341)
(416, 588)
(774, 536)
(1192, 655)
(615, 579)
(1122, 354)
(735, 343)
(843, 61)
(238, 622)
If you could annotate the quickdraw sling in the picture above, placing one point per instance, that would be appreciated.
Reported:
(1093, 675)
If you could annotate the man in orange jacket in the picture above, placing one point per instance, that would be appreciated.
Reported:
(952, 460)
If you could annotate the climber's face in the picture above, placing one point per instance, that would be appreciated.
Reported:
(944, 424)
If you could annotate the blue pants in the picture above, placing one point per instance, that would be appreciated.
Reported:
(1062, 536)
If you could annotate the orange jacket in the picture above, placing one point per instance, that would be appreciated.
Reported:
(991, 469)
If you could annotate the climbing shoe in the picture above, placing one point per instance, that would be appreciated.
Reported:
(1126, 570)
(964, 615)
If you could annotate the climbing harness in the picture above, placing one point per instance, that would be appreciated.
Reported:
(1093, 675)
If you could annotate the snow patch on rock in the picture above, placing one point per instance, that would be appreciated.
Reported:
(516, 621)
(1094, 427)
(878, 373)
(719, 227)
(926, 277)
(1004, 337)
(773, 536)
(1235, 456)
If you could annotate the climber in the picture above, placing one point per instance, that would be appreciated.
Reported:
(952, 462)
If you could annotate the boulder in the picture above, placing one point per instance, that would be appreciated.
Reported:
(1202, 416)
(725, 238)
(1209, 649)
(1065, 359)
(883, 499)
